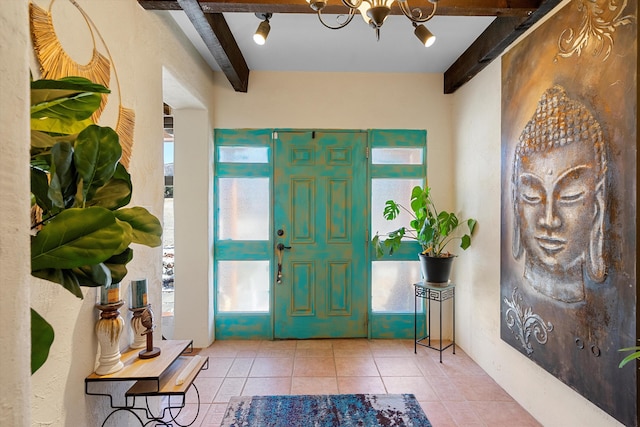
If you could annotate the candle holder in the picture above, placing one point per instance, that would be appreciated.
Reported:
(137, 328)
(108, 330)
(146, 318)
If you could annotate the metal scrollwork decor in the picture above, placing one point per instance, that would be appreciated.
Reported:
(525, 323)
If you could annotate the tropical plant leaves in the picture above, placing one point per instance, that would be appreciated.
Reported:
(40, 88)
(42, 140)
(147, 229)
(432, 229)
(116, 193)
(93, 275)
(42, 336)
(76, 237)
(97, 151)
(630, 357)
(40, 188)
(64, 106)
(77, 180)
(62, 188)
(117, 265)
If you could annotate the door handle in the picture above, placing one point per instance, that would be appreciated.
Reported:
(280, 248)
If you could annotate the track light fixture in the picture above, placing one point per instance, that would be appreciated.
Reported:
(374, 13)
(423, 34)
(260, 37)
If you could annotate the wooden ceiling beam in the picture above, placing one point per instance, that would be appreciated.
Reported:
(490, 44)
(445, 7)
(217, 36)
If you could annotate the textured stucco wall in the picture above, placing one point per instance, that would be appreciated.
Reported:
(15, 343)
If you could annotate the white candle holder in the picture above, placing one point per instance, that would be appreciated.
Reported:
(108, 330)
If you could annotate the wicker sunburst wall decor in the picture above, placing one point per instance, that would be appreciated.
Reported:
(55, 63)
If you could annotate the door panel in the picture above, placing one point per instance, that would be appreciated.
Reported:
(319, 201)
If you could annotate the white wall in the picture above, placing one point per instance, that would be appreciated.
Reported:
(347, 101)
(15, 343)
(476, 112)
(141, 45)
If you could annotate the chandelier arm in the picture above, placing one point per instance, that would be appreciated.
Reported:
(344, 24)
(409, 13)
(352, 5)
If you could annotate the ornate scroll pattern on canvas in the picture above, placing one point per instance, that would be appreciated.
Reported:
(525, 323)
(598, 23)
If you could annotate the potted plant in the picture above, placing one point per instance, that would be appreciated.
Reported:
(81, 228)
(431, 228)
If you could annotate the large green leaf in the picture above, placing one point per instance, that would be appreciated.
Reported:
(41, 139)
(96, 156)
(117, 265)
(41, 339)
(76, 237)
(116, 193)
(66, 277)
(147, 229)
(127, 234)
(45, 90)
(49, 116)
(64, 106)
(62, 188)
(113, 195)
(93, 275)
(40, 188)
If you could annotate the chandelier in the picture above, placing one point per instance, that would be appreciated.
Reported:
(374, 13)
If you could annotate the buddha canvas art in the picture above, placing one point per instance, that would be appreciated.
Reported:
(569, 150)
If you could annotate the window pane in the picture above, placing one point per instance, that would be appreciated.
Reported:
(168, 288)
(398, 190)
(243, 286)
(243, 208)
(243, 154)
(397, 156)
(391, 286)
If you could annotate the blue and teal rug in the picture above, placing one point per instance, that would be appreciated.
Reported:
(334, 410)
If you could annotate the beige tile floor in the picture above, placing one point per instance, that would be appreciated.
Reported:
(455, 393)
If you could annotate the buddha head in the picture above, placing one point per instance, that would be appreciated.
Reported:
(558, 197)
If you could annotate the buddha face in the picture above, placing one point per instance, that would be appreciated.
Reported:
(555, 204)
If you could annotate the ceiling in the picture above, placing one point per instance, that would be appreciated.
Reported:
(299, 42)
(470, 34)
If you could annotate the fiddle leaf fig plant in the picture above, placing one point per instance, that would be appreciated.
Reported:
(431, 228)
(81, 229)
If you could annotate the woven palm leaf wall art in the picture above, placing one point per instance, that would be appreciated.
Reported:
(56, 63)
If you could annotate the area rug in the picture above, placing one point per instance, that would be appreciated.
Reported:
(333, 410)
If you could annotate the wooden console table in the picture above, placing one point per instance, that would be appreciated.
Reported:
(153, 377)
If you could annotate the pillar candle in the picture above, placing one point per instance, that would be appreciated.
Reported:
(110, 294)
(138, 293)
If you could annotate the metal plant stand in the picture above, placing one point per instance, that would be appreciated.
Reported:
(438, 293)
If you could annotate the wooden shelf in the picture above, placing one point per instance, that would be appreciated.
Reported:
(168, 379)
(145, 369)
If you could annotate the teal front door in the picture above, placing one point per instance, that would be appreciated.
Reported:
(320, 222)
